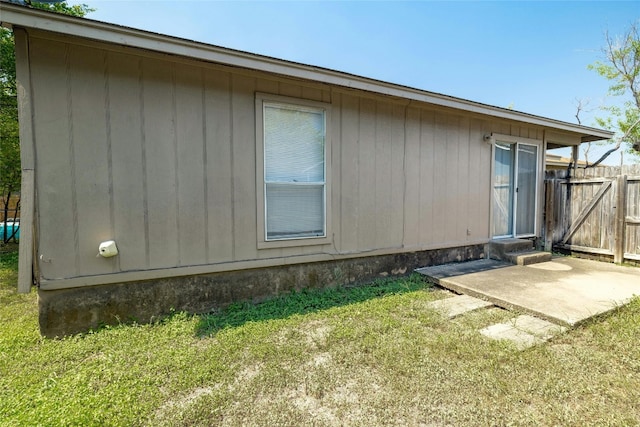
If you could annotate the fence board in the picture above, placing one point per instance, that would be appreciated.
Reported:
(549, 214)
(584, 212)
(632, 220)
(596, 211)
(620, 214)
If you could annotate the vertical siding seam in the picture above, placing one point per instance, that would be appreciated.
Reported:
(232, 164)
(375, 166)
(143, 142)
(357, 195)
(107, 118)
(176, 163)
(462, 213)
(341, 180)
(427, 183)
(72, 157)
(203, 89)
(453, 156)
(453, 181)
(437, 188)
(336, 164)
(404, 175)
(467, 214)
(434, 193)
(418, 195)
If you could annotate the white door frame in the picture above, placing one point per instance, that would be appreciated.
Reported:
(517, 141)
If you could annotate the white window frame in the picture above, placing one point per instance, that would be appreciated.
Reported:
(263, 99)
(509, 139)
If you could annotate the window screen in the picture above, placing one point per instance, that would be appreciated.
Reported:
(294, 157)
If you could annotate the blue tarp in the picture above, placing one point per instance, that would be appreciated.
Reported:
(10, 226)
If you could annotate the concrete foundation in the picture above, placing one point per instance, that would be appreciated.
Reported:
(70, 311)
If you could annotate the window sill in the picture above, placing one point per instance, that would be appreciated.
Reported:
(291, 243)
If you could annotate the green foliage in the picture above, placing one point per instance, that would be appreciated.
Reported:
(621, 66)
(7, 63)
(306, 301)
(9, 131)
(8, 263)
(79, 10)
(9, 140)
(9, 145)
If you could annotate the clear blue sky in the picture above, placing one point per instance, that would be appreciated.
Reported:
(529, 56)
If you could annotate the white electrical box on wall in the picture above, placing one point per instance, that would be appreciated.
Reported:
(108, 249)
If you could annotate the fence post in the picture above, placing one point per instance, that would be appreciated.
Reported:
(620, 214)
(549, 214)
(574, 158)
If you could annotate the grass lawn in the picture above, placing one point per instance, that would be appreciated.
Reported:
(366, 356)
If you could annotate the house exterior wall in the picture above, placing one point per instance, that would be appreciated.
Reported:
(158, 153)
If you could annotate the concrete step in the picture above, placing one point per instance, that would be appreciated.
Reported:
(527, 258)
(516, 251)
(499, 247)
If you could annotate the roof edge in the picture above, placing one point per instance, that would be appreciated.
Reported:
(22, 16)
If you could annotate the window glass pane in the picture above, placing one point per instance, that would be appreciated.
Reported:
(294, 144)
(527, 173)
(294, 211)
(503, 189)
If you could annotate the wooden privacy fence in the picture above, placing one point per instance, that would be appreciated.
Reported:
(595, 211)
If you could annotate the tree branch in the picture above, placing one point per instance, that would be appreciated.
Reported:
(618, 144)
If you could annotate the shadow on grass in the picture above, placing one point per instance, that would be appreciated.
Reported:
(306, 301)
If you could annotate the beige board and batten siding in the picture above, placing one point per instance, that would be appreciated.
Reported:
(159, 154)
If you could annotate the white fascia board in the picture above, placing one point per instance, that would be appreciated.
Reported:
(14, 15)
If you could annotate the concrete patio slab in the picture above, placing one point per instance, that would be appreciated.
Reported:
(565, 290)
(524, 331)
(444, 271)
(458, 305)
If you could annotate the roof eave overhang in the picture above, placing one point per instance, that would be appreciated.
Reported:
(591, 138)
(21, 16)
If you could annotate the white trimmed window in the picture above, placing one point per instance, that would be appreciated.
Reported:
(292, 157)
